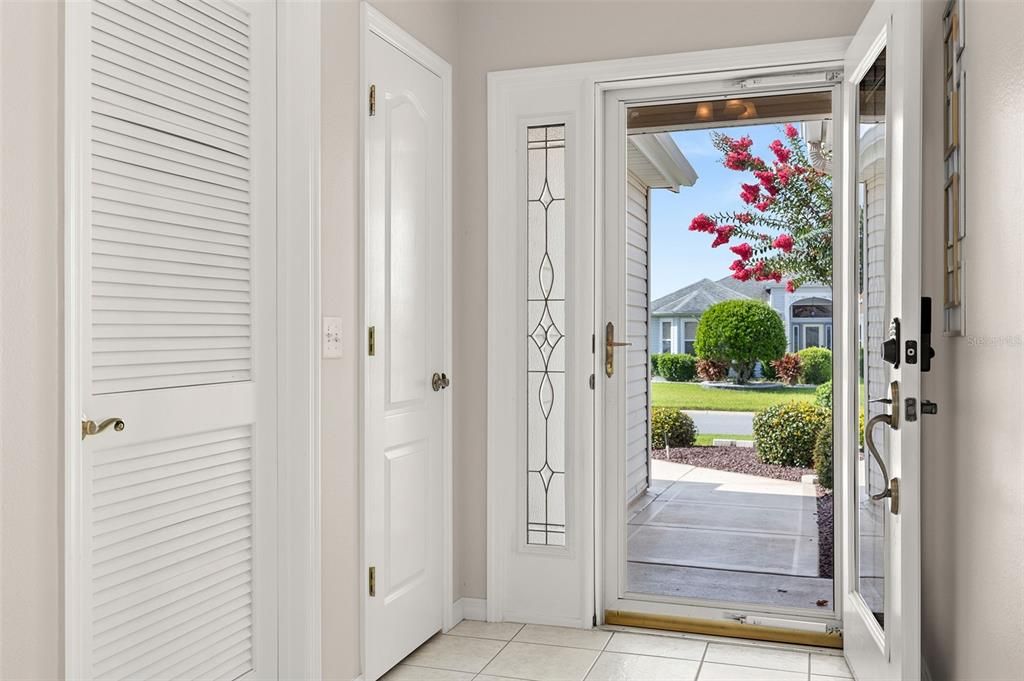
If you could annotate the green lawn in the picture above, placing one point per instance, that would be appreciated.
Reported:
(704, 440)
(696, 396)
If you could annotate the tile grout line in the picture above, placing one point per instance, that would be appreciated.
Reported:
(505, 645)
(599, 654)
(700, 665)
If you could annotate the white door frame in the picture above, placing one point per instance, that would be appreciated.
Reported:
(298, 325)
(589, 82)
(375, 23)
(611, 500)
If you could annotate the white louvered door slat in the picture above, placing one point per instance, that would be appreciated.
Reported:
(177, 316)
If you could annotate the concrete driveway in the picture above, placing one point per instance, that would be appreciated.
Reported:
(723, 422)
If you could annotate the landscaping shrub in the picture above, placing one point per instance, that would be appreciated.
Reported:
(712, 370)
(655, 367)
(768, 372)
(817, 363)
(739, 333)
(677, 367)
(823, 457)
(670, 427)
(788, 368)
(823, 395)
(784, 434)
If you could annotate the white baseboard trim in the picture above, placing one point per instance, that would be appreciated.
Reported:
(469, 609)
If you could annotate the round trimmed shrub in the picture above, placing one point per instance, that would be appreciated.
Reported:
(670, 427)
(740, 332)
(817, 365)
(678, 367)
(823, 458)
(784, 434)
(823, 395)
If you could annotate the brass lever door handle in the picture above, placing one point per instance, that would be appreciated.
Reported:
(90, 427)
(609, 349)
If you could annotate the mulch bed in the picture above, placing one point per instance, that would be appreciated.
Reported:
(744, 460)
(732, 459)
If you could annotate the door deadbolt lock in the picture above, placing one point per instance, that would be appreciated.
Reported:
(891, 345)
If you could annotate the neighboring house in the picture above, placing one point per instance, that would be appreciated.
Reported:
(806, 313)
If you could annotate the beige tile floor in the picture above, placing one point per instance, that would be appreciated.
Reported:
(479, 651)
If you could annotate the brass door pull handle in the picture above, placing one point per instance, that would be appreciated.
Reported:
(609, 349)
(892, 485)
(90, 427)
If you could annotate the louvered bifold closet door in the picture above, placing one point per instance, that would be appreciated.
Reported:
(171, 242)
(177, 257)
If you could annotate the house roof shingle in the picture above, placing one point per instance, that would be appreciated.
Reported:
(700, 295)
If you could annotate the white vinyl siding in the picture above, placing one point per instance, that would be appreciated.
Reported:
(638, 385)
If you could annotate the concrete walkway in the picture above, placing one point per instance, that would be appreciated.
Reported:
(715, 535)
(723, 422)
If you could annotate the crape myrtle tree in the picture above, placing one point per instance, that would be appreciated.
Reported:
(786, 230)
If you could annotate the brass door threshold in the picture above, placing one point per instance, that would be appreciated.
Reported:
(730, 628)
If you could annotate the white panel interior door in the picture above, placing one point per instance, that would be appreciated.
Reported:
(881, 184)
(171, 153)
(404, 413)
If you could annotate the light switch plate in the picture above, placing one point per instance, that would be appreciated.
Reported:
(332, 337)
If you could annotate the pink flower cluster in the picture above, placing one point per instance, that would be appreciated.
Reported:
(702, 223)
(723, 233)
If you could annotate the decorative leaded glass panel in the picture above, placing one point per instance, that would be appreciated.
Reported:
(545, 295)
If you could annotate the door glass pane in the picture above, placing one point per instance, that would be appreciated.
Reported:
(872, 516)
(545, 301)
(812, 338)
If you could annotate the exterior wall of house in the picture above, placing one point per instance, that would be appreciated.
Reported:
(782, 302)
(683, 333)
(638, 386)
(971, 453)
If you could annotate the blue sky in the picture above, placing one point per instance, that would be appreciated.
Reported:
(679, 256)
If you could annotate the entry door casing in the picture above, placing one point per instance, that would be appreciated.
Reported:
(171, 261)
(892, 651)
(404, 415)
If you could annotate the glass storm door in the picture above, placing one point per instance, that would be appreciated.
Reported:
(881, 283)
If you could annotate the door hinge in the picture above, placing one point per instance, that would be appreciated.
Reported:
(373, 581)
(371, 341)
(373, 100)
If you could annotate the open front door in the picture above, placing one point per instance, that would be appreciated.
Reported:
(882, 282)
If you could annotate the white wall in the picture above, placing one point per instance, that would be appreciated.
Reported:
(31, 538)
(972, 454)
(434, 23)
